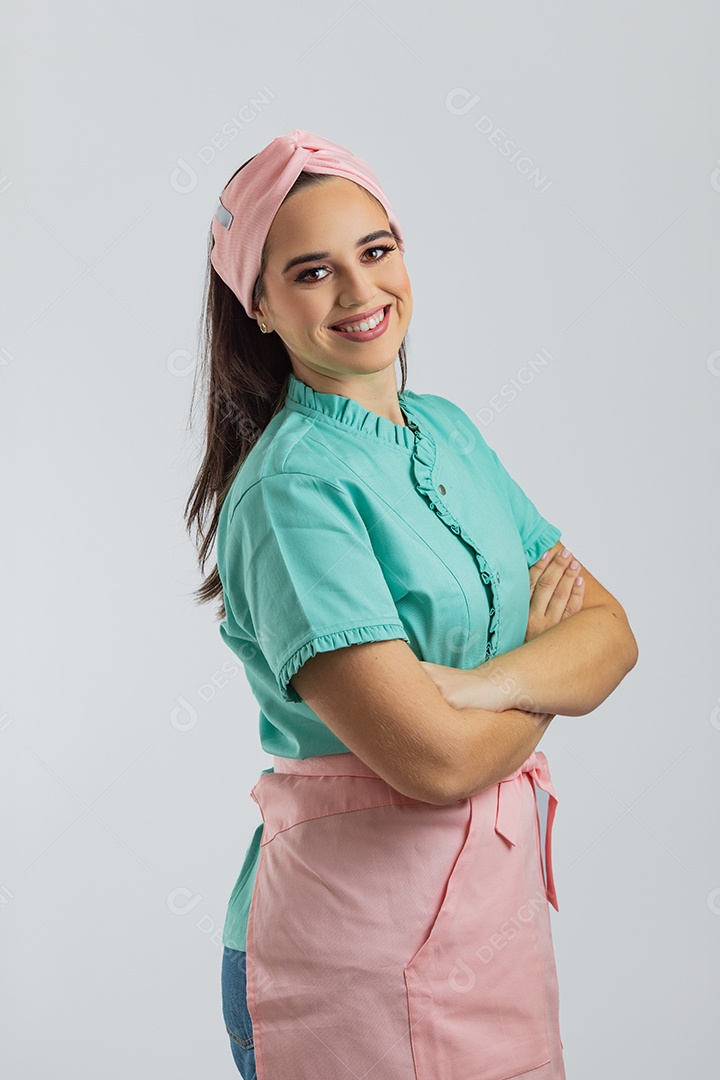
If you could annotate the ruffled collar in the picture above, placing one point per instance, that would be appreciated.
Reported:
(352, 414)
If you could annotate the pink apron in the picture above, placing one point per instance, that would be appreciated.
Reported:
(394, 939)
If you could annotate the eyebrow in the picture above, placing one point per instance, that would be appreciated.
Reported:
(315, 256)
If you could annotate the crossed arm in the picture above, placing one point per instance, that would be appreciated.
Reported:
(578, 648)
(443, 738)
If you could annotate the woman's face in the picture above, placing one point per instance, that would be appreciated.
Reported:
(338, 274)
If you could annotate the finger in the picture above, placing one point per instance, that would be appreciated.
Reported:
(563, 591)
(577, 596)
(544, 575)
(548, 581)
(539, 565)
(536, 570)
(560, 597)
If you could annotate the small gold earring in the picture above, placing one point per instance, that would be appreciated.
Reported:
(263, 327)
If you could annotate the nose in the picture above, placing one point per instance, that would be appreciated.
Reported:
(356, 287)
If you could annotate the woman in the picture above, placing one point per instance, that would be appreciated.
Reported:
(409, 624)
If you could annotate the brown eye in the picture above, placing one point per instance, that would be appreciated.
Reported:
(383, 249)
(302, 276)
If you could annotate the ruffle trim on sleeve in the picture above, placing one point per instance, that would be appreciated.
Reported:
(329, 642)
(549, 536)
(424, 459)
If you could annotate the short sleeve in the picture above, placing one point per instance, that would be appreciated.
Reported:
(299, 564)
(536, 532)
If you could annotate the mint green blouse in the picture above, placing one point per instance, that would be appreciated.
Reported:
(342, 527)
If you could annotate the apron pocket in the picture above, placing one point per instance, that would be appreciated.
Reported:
(476, 987)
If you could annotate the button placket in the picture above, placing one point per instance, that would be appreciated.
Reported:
(424, 458)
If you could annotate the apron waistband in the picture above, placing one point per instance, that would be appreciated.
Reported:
(347, 764)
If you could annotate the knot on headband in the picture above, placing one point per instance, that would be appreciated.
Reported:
(252, 198)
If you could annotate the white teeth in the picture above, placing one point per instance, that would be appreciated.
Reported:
(368, 324)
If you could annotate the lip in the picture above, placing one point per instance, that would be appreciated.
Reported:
(366, 335)
(353, 320)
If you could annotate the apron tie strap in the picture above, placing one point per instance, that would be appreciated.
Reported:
(508, 811)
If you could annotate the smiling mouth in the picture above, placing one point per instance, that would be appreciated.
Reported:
(362, 323)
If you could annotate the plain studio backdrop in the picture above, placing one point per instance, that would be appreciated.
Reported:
(556, 172)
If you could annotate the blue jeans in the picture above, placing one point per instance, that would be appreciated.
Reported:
(235, 1012)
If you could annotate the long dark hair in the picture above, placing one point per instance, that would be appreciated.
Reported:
(242, 376)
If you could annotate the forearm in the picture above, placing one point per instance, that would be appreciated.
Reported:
(569, 669)
(487, 746)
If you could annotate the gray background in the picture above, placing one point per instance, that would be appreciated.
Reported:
(128, 734)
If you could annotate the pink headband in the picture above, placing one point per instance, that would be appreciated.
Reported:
(250, 201)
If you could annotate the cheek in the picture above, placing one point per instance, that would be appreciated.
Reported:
(300, 313)
(313, 314)
(399, 281)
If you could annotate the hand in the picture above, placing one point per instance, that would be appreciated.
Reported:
(489, 686)
(553, 596)
(556, 592)
(462, 688)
